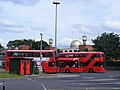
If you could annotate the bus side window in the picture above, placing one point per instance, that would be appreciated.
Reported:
(31, 54)
(50, 54)
(16, 54)
(23, 54)
(37, 54)
(98, 64)
(44, 55)
(73, 64)
(81, 64)
(10, 54)
(51, 64)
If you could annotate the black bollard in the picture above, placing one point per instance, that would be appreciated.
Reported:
(3, 85)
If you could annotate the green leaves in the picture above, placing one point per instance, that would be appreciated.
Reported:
(35, 45)
(108, 43)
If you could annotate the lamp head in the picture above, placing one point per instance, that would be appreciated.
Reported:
(56, 2)
(41, 34)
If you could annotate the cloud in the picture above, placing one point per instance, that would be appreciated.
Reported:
(2, 10)
(112, 25)
(6, 23)
(24, 2)
(70, 1)
(12, 27)
(82, 28)
(3, 43)
(64, 42)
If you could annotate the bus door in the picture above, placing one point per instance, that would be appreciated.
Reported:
(61, 66)
(25, 67)
(22, 67)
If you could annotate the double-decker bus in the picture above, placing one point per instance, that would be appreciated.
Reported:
(92, 61)
(69, 65)
(48, 58)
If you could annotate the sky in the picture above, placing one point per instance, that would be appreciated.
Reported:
(26, 19)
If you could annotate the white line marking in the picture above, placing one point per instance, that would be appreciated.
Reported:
(88, 77)
(116, 83)
(44, 86)
(93, 80)
(62, 75)
(102, 80)
(115, 76)
(30, 79)
(1, 84)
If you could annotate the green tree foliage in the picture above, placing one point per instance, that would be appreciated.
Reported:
(34, 45)
(109, 43)
(86, 49)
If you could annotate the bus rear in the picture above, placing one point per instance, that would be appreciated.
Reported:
(93, 62)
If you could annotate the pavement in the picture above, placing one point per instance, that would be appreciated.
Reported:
(57, 75)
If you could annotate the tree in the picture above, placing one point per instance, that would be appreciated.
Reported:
(38, 44)
(35, 45)
(109, 44)
(86, 49)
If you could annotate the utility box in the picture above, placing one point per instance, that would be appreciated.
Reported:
(21, 66)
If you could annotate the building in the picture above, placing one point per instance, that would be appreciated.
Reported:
(77, 46)
(74, 47)
(85, 47)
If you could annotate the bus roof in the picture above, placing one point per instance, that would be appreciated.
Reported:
(81, 53)
(29, 50)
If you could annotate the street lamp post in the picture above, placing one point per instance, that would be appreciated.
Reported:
(40, 67)
(56, 3)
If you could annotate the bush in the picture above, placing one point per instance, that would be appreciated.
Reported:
(113, 63)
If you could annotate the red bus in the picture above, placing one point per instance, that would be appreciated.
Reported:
(92, 61)
(69, 65)
(48, 58)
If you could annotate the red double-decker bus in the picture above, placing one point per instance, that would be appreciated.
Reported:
(92, 61)
(48, 58)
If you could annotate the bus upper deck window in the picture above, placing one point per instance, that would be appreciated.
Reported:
(16, 54)
(23, 54)
(49, 54)
(31, 54)
(10, 54)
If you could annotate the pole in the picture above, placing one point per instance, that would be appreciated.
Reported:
(40, 67)
(56, 29)
(3, 85)
(56, 2)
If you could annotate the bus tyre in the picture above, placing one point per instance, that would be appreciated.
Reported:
(67, 70)
(91, 70)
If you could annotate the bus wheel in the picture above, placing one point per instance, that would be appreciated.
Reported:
(91, 70)
(67, 70)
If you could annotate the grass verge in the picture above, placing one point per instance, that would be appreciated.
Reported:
(4, 74)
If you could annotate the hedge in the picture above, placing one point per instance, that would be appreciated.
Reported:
(112, 63)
